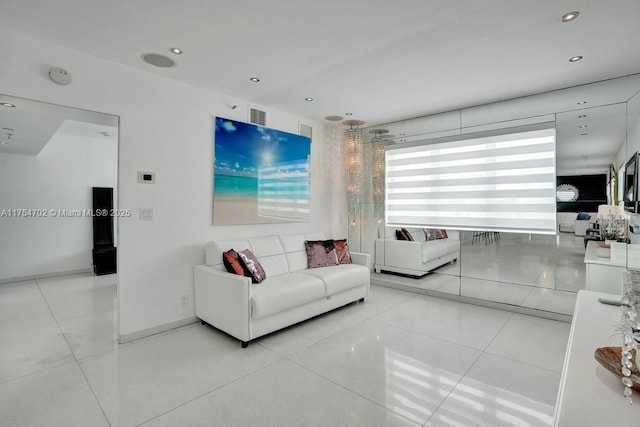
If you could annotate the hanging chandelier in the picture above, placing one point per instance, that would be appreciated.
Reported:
(353, 168)
(378, 172)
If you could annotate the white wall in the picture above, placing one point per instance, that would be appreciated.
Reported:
(167, 127)
(59, 177)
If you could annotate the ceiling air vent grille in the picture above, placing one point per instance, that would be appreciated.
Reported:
(257, 117)
(305, 130)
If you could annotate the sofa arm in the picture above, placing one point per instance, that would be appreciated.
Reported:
(404, 254)
(362, 259)
(223, 300)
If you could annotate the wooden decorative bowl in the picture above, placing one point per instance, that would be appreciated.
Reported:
(610, 357)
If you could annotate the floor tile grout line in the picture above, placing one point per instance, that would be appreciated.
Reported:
(30, 374)
(429, 336)
(358, 321)
(352, 391)
(462, 377)
(221, 386)
(64, 336)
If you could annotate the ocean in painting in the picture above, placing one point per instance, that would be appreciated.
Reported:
(238, 186)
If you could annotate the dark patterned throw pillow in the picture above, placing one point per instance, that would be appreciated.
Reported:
(434, 234)
(320, 253)
(342, 250)
(232, 262)
(407, 234)
(253, 267)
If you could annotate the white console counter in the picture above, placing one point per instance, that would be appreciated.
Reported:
(604, 271)
(589, 395)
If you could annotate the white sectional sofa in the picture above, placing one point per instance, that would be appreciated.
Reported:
(568, 223)
(415, 258)
(290, 293)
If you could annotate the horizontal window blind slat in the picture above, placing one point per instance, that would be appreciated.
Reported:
(504, 182)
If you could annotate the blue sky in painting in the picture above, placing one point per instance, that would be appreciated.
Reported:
(242, 148)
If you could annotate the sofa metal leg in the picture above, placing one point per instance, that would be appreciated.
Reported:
(202, 322)
(361, 300)
(244, 344)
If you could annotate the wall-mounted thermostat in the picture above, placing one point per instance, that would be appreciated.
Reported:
(146, 177)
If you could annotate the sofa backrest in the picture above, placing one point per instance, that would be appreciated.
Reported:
(417, 233)
(277, 254)
(295, 251)
(571, 217)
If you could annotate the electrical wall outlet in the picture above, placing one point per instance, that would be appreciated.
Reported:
(184, 300)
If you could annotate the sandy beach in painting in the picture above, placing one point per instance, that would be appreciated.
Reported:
(235, 210)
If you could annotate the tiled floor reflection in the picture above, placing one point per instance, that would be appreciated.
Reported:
(398, 359)
(543, 273)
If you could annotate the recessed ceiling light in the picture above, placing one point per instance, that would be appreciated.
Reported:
(308, 99)
(6, 104)
(176, 50)
(4, 142)
(254, 79)
(582, 116)
(575, 58)
(333, 118)
(582, 126)
(584, 134)
(568, 17)
(348, 114)
(582, 102)
(8, 129)
(158, 60)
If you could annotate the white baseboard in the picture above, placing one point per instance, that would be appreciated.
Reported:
(144, 333)
(45, 275)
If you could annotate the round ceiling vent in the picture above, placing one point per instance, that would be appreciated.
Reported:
(333, 118)
(158, 60)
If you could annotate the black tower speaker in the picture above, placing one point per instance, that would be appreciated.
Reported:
(104, 253)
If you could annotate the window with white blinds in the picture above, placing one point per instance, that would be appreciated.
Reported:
(494, 183)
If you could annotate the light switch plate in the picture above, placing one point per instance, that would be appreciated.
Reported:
(146, 214)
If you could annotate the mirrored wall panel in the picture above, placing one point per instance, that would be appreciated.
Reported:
(597, 131)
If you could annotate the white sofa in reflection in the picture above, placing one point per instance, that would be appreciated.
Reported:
(415, 258)
(568, 223)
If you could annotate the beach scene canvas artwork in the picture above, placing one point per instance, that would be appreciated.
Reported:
(261, 175)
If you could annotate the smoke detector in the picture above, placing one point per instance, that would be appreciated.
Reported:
(59, 76)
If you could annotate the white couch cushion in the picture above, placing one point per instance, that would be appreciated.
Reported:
(278, 294)
(295, 251)
(434, 249)
(270, 255)
(341, 277)
(265, 246)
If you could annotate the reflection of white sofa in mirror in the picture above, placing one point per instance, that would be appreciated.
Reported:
(415, 258)
(568, 223)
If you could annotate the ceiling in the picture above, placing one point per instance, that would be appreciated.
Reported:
(32, 124)
(380, 60)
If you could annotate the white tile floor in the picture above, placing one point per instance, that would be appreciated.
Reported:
(397, 359)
